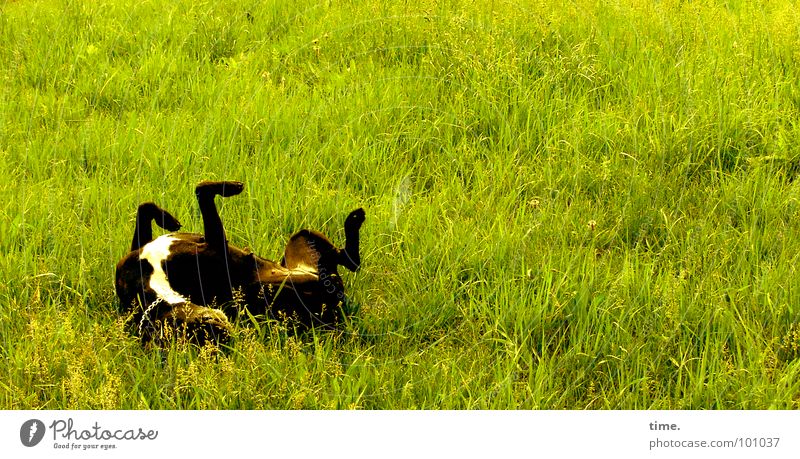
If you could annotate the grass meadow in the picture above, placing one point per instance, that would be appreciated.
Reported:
(570, 205)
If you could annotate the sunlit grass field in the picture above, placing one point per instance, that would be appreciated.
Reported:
(570, 205)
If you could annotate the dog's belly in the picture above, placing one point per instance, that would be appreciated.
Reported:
(185, 269)
(194, 272)
(155, 253)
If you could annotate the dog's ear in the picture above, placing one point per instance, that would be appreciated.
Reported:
(301, 253)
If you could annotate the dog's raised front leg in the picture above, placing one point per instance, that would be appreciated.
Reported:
(350, 257)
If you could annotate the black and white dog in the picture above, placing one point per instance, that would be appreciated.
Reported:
(172, 282)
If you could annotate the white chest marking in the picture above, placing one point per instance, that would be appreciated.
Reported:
(155, 252)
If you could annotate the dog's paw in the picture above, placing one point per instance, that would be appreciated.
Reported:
(355, 220)
(231, 189)
(224, 189)
(170, 223)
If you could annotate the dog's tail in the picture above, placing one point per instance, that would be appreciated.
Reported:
(147, 213)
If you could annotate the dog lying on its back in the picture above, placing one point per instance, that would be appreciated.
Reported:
(169, 283)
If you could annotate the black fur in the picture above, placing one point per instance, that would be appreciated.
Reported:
(207, 271)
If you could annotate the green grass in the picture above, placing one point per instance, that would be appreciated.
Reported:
(587, 204)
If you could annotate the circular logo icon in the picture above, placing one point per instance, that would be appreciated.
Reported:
(31, 432)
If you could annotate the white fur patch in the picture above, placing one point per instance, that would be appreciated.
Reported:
(155, 252)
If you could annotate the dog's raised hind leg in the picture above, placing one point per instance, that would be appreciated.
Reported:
(212, 224)
(145, 215)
